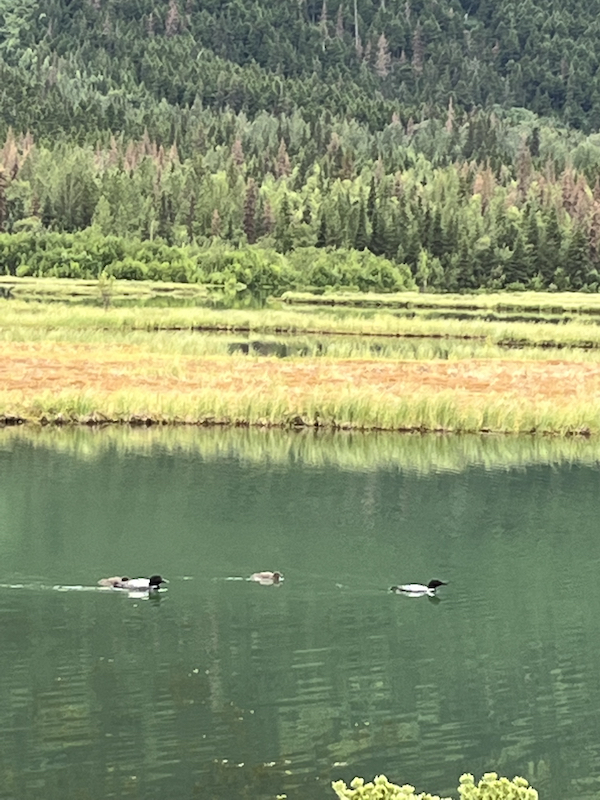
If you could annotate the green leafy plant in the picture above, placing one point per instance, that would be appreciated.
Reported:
(490, 787)
(378, 789)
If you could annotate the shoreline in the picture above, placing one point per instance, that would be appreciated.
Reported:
(137, 421)
(99, 383)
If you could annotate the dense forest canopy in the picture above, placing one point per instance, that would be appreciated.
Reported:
(83, 66)
(453, 139)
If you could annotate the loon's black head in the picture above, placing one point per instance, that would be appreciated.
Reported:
(156, 580)
(434, 584)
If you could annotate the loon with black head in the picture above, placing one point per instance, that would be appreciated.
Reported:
(418, 589)
(151, 584)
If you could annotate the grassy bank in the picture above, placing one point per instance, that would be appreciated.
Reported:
(104, 292)
(147, 365)
(43, 380)
(540, 303)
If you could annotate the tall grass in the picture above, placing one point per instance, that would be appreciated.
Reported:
(15, 314)
(70, 290)
(531, 302)
(359, 409)
(203, 343)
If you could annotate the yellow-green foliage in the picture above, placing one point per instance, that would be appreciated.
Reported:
(490, 787)
(379, 789)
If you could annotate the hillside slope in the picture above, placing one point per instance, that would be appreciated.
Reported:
(85, 66)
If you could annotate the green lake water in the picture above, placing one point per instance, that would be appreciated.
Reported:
(221, 688)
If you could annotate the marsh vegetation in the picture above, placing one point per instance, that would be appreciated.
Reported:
(295, 366)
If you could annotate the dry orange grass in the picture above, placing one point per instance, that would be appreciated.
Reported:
(42, 369)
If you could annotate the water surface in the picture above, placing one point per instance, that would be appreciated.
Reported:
(221, 688)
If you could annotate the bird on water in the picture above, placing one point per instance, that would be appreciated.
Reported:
(266, 578)
(151, 584)
(418, 589)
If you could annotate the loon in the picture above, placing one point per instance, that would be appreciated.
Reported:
(266, 578)
(151, 584)
(418, 589)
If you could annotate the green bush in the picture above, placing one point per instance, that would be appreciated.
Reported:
(129, 269)
(359, 269)
(255, 267)
(490, 787)
(88, 253)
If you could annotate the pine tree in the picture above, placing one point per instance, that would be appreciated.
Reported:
(549, 248)
(268, 219)
(165, 218)
(524, 171)
(191, 217)
(282, 164)
(377, 243)
(237, 153)
(361, 240)
(47, 213)
(519, 266)
(283, 233)
(339, 24)
(435, 239)
(423, 270)
(383, 61)
(371, 199)
(418, 50)
(250, 201)
(323, 20)
(577, 260)
(172, 21)
(533, 142)
(322, 235)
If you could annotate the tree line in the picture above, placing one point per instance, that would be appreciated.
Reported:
(452, 144)
(452, 227)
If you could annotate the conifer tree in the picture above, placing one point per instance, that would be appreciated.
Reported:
(377, 243)
(283, 234)
(418, 50)
(268, 219)
(282, 164)
(250, 201)
(361, 240)
(322, 235)
(371, 199)
(519, 266)
(383, 60)
(577, 260)
(339, 24)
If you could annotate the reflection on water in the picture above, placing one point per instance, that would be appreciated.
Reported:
(347, 450)
(222, 688)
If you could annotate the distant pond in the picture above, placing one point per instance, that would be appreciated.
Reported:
(221, 688)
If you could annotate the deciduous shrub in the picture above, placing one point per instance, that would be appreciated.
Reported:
(490, 787)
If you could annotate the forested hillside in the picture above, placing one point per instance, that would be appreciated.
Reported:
(457, 138)
(83, 66)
